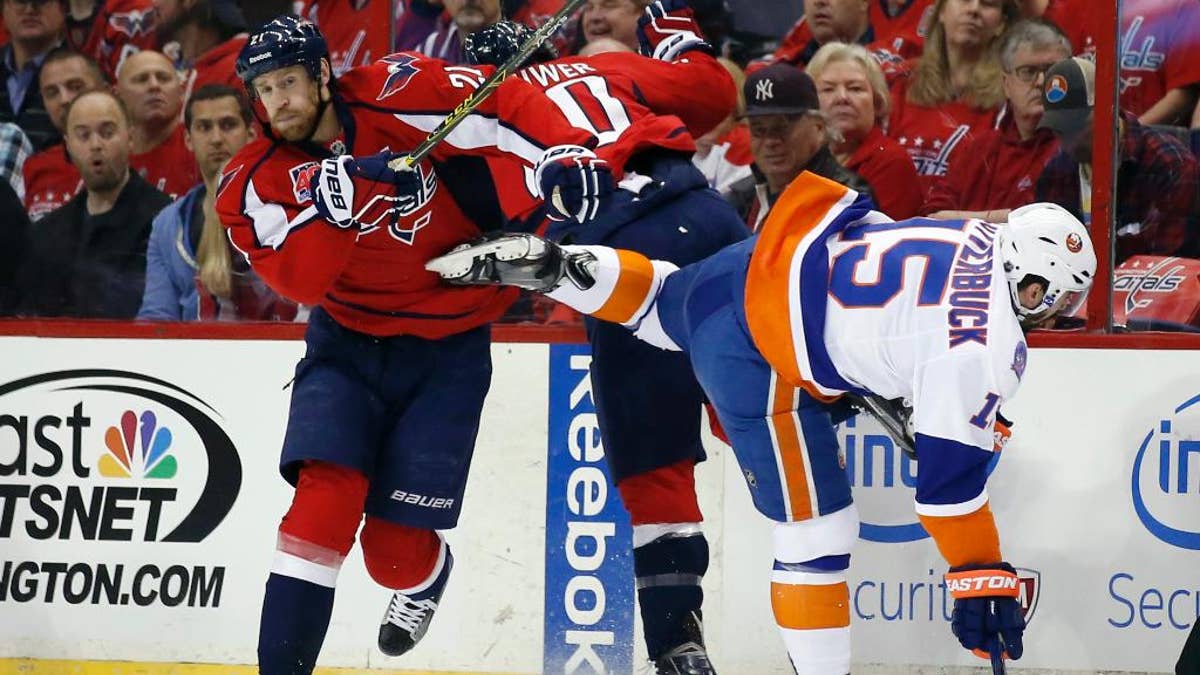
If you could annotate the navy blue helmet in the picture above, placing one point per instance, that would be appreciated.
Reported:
(495, 44)
(285, 41)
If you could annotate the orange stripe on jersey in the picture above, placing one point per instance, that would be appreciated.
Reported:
(969, 539)
(805, 607)
(769, 281)
(790, 450)
(633, 285)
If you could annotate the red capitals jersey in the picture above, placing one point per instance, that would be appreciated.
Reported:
(119, 28)
(347, 27)
(636, 102)
(906, 31)
(932, 135)
(887, 168)
(1160, 50)
(1074, 20)
(373, 280)
(170, 168)
(51, 180)
(994, 170)
(216, 66)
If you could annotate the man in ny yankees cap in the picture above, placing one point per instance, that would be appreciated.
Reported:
(788, 134)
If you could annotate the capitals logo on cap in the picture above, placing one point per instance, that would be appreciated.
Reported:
(302, 176)
(1074, 243)
(1056, 89)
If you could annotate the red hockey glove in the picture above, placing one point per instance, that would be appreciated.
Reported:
(364, 193)
(574, 182)
(668, 29)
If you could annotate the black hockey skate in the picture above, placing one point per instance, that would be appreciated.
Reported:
(689, 658)
(521, 260)
(408, 616)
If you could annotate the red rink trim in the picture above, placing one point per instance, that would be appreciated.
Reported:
(155, 330)
(512, 333)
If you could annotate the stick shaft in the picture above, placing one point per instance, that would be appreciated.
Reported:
(488, 86)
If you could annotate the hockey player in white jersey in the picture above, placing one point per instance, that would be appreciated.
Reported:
(833, 298)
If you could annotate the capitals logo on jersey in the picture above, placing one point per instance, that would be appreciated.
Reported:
(302, 176)
(227, 178)
(133, 23)
(400, 73)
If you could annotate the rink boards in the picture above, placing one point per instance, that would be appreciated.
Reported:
(139, 497)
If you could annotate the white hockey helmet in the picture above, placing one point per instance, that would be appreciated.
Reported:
(1045, 240)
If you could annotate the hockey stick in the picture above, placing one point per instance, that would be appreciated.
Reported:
(885, 413)
(998, 661)
(485, 89)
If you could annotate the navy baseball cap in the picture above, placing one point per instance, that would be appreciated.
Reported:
(1068, 95)
(780, 89)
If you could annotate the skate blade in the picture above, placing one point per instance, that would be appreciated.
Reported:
(459, 263)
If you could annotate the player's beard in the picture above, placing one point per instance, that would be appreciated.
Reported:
(302, 125)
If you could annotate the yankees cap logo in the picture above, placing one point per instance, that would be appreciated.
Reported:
(764, 90)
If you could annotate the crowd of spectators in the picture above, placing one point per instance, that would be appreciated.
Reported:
(116, 117)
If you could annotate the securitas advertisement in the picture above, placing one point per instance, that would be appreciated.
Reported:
(589, 565)
(97, 465)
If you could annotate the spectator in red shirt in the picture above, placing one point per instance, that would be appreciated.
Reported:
(1072, 18)
(956, 85)
(349, 29)
(855, 100)
(723, 154)
(902, 24)
(51, 180)
(616, 19)
(208, 36)
(1157, 177)
(997, 170)
(153, 93)
(1160, 52)
(848, 21)
(111, 30)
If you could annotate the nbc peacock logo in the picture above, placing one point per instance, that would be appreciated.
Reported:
(138, 447)
(112, 455)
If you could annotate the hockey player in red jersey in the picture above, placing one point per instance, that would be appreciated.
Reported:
(386, 403)
(647, 400)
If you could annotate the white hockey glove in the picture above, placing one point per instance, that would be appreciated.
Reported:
(364, 193)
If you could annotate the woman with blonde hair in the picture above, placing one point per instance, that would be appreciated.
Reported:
(855, 100)
(956, 86)
(191, 272)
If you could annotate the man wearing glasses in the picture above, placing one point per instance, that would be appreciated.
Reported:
(35, 27)
(999, 169)
(788, 134)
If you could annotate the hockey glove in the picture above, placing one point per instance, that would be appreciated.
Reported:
(364, 193)
(987, 618)
(574, 183)
(668, 29)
